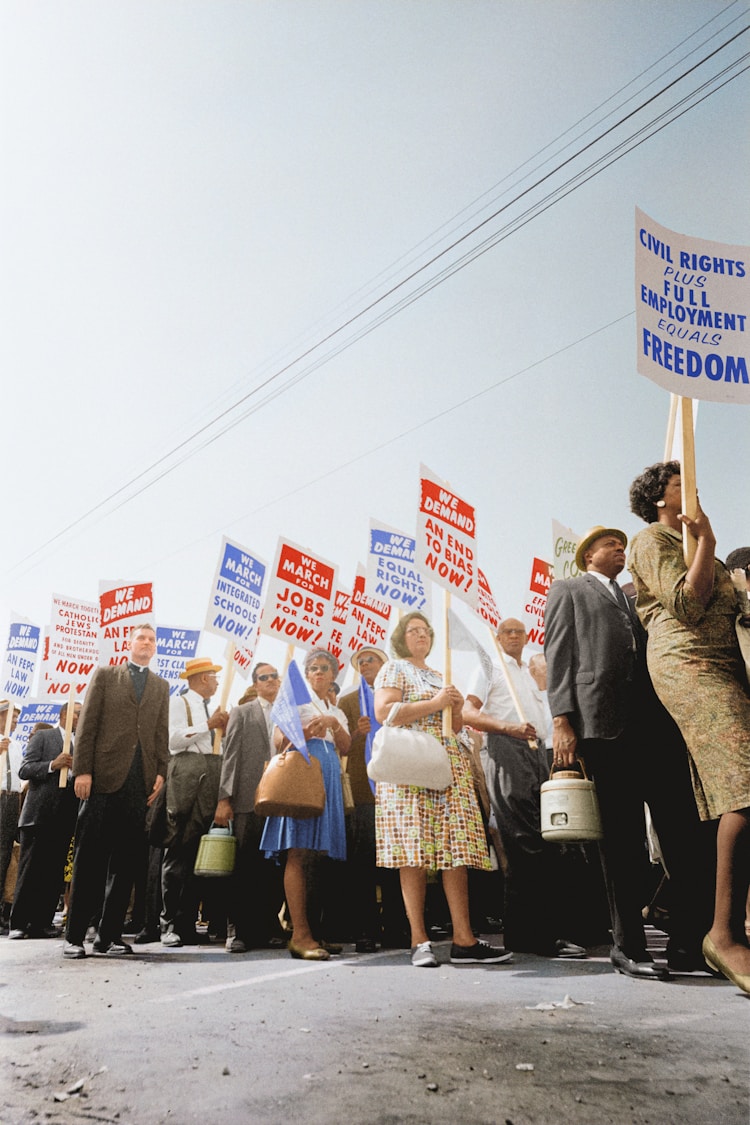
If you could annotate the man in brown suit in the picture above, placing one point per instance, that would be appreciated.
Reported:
(120, 763)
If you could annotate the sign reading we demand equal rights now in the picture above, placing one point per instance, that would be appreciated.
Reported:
(692, 313)
(392, 573)
(446, 538)
(301, 597)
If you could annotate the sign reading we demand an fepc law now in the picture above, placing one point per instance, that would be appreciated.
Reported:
(446, 538)
(301, 597)
(121, 606)
(692, 313)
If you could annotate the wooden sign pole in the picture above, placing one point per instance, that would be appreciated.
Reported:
(447, 667)
(687, 477)
(671, 421)
(68, 734)
(533, 744)
(225, 689)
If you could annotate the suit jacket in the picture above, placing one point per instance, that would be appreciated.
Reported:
(112, 723)
(595, 675)
(246, 751)
(44, 797)
(355, 759)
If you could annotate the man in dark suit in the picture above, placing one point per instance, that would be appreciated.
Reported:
(604, 708)
(120, 763)
(46, 825)
(256, 894)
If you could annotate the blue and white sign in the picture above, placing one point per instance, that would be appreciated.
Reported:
(20, 661)
(392, 574)
(33, 712)
(236, 599)
(173, 648)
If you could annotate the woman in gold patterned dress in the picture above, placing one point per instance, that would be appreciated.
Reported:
(698, 673)
(421, 829)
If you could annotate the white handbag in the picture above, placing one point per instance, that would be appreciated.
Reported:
(404, 756)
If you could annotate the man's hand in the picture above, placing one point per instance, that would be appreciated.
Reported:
(564, 741)
(224, 813)
(157, 786)
(219, 720)
(526, 731)
(363, 725)
(62, 761)
(82, 786)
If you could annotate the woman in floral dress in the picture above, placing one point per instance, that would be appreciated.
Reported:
(421, 829)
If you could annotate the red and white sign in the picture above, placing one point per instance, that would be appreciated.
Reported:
(342, 643)
(369, 616)
(486, 605)
(300, 599)
(541, 580)
(122, 605)
(71, 646)
(446, 538)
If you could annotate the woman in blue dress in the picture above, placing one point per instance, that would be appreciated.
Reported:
(327, 735)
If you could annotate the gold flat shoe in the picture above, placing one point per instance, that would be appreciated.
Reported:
(713, 958)
(317, 954)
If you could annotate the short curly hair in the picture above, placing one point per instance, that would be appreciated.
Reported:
(398, 637)
(324, 655)
(649, 487)
(739, 559)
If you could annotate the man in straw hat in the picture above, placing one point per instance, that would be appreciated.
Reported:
(192, 786)
(605, 709)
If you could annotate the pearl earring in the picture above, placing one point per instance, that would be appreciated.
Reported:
(661, 503)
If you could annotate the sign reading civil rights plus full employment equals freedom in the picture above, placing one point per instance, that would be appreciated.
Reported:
(692, 313)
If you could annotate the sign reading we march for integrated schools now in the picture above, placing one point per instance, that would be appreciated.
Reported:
(236, 600)
(446, 538)
(300, 599)
(692, 313)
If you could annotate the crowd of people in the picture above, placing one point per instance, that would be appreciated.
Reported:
(645, 685)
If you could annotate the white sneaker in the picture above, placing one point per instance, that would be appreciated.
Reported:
(171, 939)
(422, 956)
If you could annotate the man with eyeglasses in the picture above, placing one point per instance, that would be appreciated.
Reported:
(192, 786)
(256, 892)
(517, 764)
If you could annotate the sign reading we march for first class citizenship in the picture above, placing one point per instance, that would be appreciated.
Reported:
(446, 538)
(692, 313)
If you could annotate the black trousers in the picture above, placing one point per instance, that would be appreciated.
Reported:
(41, 865)
(109, 839)
(10, 805)
(256, 889)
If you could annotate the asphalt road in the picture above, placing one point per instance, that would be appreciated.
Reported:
(199, 1035)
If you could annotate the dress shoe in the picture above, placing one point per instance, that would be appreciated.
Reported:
(317, 954)
(639, 970)
(73, 951)
(332, 947)
(171, 939)
(45, 932)
(235, 945)
(715, 961)
(365, 945)
(568, 949)
(688, 961)
(112, 948)
(146, 937)
(16, 935)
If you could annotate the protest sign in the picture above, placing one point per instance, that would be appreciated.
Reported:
(173, 648)
(369, 615)
(541, 579)
(342, 640)
(486, 605)
(20, 661)
(71, 648)
(300, 600)
(236, 599)
(35, 711)
(392, 573)
(564, 544)
(446, 538)
(692, 313)
(122, 605)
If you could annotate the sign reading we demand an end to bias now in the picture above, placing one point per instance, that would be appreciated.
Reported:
(446, 538)
(301, 597)
(692, 313)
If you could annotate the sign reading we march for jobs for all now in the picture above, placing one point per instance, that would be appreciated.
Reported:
(301, 597)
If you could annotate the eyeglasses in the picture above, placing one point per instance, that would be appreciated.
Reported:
(512, 632)
(320, 668)
(267, 676)
(367, 660)
(418, 633)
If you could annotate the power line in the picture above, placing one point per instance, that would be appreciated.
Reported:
(189, 446)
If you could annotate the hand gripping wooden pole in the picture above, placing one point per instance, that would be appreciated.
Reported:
(533, 744)
(68, 734)
(225, 689)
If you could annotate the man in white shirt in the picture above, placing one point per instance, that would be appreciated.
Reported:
(518, 762)
(10, 802)
(192, 787)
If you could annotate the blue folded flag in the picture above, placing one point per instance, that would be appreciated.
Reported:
(367, 707)
(292, 693)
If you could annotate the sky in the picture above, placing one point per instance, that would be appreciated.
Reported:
(200, 201)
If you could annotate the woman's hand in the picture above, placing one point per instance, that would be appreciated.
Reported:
(700, 526)
(449, 696)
